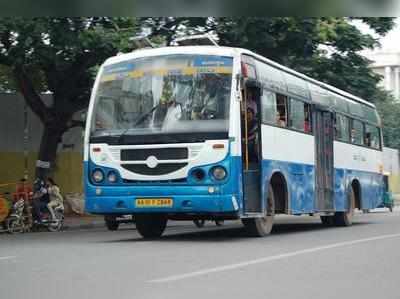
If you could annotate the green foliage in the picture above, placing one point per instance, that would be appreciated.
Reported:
(62, 50)
(327, 49)
(59, 55)
(389, 110)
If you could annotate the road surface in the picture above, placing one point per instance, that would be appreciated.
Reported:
(301, 259)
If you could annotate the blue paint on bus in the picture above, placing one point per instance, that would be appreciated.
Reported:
(194, 197)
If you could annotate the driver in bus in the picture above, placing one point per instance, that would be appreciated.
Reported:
(206, 97)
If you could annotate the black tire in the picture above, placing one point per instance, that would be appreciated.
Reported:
(14, 225)
(327, 220)
(111, 223)
(56, 224)
(219, 222)
(346, 218)
(199, 222)
(262, 226)
(151, 226)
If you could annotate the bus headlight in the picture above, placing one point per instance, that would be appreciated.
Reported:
(112, 177)
(219, 173)
(98, 176)
(198, 174)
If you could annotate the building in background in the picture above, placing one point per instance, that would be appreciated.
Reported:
(387, 64)
(391, 166)
(20, 135)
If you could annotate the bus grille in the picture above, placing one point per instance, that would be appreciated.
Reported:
(173, 153)
(160, 169)
(175, 181)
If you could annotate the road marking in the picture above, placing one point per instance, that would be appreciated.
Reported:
(268, 259)
(7, 257)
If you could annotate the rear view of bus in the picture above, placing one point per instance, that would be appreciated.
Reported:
(157, 141)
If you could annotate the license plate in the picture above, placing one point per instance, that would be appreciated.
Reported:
(154, 202)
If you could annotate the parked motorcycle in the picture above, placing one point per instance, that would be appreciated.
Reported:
(18, 221)
(51, 224)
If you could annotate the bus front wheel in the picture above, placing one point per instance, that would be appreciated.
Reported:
(262, 226)
(150, 226)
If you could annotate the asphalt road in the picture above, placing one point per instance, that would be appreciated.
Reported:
(301, 259)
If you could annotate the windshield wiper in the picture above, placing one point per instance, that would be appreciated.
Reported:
(144, 116)
(139, 121)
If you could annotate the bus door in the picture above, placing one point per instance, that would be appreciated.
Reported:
(324, 171)
(251, 146)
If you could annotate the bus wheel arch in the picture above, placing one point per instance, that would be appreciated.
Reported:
(356, 188)
(353, 197)
(279, 186)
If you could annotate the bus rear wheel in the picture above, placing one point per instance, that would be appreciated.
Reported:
(150, 226)
(327, 220)
(111, 223)
(346, 218)
(262, 226)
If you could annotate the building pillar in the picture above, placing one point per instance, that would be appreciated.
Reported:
(388, 78)
(397, 83)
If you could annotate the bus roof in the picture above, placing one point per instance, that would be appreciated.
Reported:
(229, 51)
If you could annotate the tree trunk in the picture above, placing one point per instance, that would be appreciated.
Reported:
(48, 149)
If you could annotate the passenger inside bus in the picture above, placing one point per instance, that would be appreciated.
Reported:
(367, 139)
(252, 128)
(307, 123)
(281, 115)
(252, 135)
(251, 101)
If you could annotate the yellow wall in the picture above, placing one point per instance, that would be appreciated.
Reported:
(68, 173)
(394, 184)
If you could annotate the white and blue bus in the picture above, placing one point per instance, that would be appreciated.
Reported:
(217, 133)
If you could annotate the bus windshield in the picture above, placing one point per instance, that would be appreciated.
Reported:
(163, 95)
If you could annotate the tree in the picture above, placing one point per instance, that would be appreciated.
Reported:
(389, 110)
(58, 55)
(327, 49)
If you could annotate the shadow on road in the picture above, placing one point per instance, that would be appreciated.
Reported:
(230, 233)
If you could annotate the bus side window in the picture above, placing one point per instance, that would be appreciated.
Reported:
(281, 107)
(307, 118)
(268, 107)
(372, 137)
(300, 116)
(342, 128)
(357, 132)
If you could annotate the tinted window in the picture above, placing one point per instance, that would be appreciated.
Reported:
(372, 137)
(300, 116)
(342, 128)
(357, 132)
(268, 103)
(281, 114)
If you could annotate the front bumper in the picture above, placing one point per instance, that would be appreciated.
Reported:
(186, 204)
